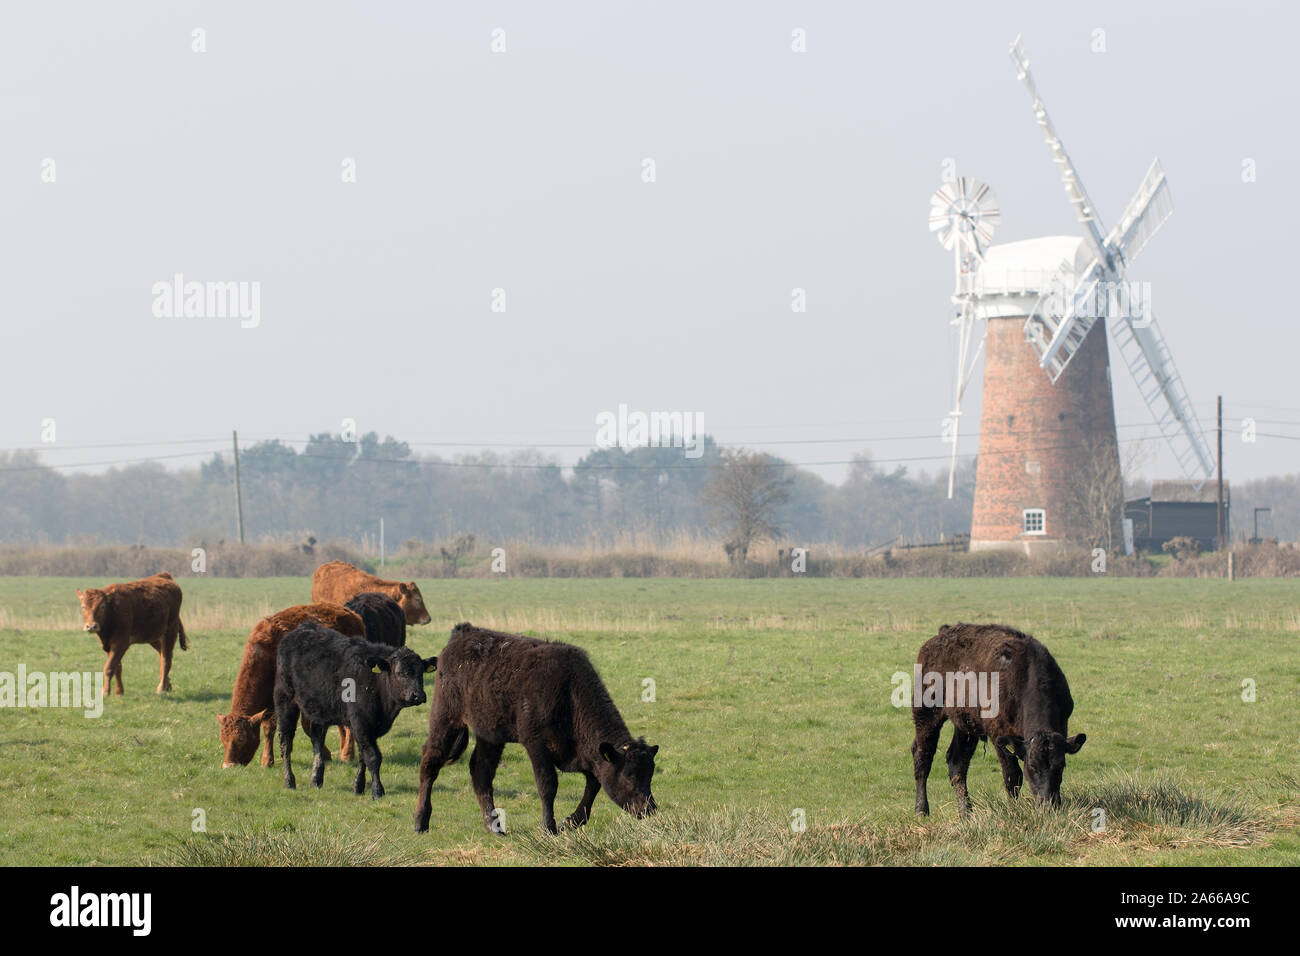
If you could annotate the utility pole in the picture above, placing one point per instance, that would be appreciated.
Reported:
(239, 501)
(1219, 540)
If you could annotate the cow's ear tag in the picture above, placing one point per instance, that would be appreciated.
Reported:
(375, 669)
(1011, 749)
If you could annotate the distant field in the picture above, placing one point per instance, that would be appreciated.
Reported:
(771, 697)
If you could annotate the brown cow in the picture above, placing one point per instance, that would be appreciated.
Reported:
(252, 710)
(147, 611)
(339, 582)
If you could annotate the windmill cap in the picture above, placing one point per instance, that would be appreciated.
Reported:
(1027, 267)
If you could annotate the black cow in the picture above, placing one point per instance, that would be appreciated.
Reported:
(333, 679)
(546, 696)
(1033, 708)
(384, 618)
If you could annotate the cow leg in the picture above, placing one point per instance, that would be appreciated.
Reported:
(306, 729)
(368, 758)
(286, 719)
(268, 751)
(346, 744)
(547, 784)
(113, 669)
(928, 724)
(583, 813)
(1012, 778)
(482, 768)
(318, 759)
(959, 754)
(165, 649)
(438, 747)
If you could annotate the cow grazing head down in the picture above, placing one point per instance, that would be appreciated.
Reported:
(624, 773)
(240, 736)
(94, 609)
(1043, 755)
(412, 602)
(402, 671)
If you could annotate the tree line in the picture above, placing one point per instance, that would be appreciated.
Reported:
(331, 489)
(336, 490)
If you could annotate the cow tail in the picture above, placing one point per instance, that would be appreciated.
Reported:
(458, 748)
(185, 645)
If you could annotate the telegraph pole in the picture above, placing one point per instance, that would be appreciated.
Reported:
(1219, 540)
(239, 502)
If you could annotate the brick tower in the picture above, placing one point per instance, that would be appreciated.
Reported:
(1048, 457)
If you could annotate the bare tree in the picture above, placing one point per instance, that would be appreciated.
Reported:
(741, 499)
(1099, 493)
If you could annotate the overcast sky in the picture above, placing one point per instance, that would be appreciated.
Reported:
(523, 171)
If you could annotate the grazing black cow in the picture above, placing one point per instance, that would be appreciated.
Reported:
(546, 696)
(384, 618)
(1029, 723)
(333, 679)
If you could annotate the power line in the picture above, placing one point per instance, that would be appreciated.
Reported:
(165, 442)
(519, 465)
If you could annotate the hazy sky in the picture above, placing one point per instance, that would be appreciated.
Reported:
(522, 171)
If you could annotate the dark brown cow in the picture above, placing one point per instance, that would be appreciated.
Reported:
(1029, 713)
(252, 711)
(339, 582)
(315, 663)
(508, 688)
(147, 611)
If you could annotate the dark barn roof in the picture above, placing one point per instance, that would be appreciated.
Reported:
(1184, 491)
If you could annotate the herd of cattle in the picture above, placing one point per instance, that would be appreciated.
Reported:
(342, 661)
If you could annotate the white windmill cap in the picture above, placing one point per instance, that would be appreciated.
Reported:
(1014, 274)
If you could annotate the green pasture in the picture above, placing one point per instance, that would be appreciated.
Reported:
(771, 705)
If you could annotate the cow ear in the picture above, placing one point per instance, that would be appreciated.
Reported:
(1013, 745)
(608, 753)
(410, 585)
(1072, 744)
(377, 660)
(654, 750)
(80, 593)
(430, 664)
(260, 716)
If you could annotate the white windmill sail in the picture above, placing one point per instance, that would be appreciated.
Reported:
(1148, 359)
(1074, 191)
(1061, 321)
(1063, 316)
(1145, 213)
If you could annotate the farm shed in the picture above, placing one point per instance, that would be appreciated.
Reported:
(1178, 509)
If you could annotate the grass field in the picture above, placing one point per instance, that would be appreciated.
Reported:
(771, 704)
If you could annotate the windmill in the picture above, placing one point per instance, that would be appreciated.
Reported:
(1048, 415)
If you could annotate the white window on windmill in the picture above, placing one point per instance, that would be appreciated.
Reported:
(1035, 521)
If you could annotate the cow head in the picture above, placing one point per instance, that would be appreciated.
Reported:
(94, 609)
(401, 675)
(240, 736)
(1043, 755)
(624, 773)
(412, 602)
